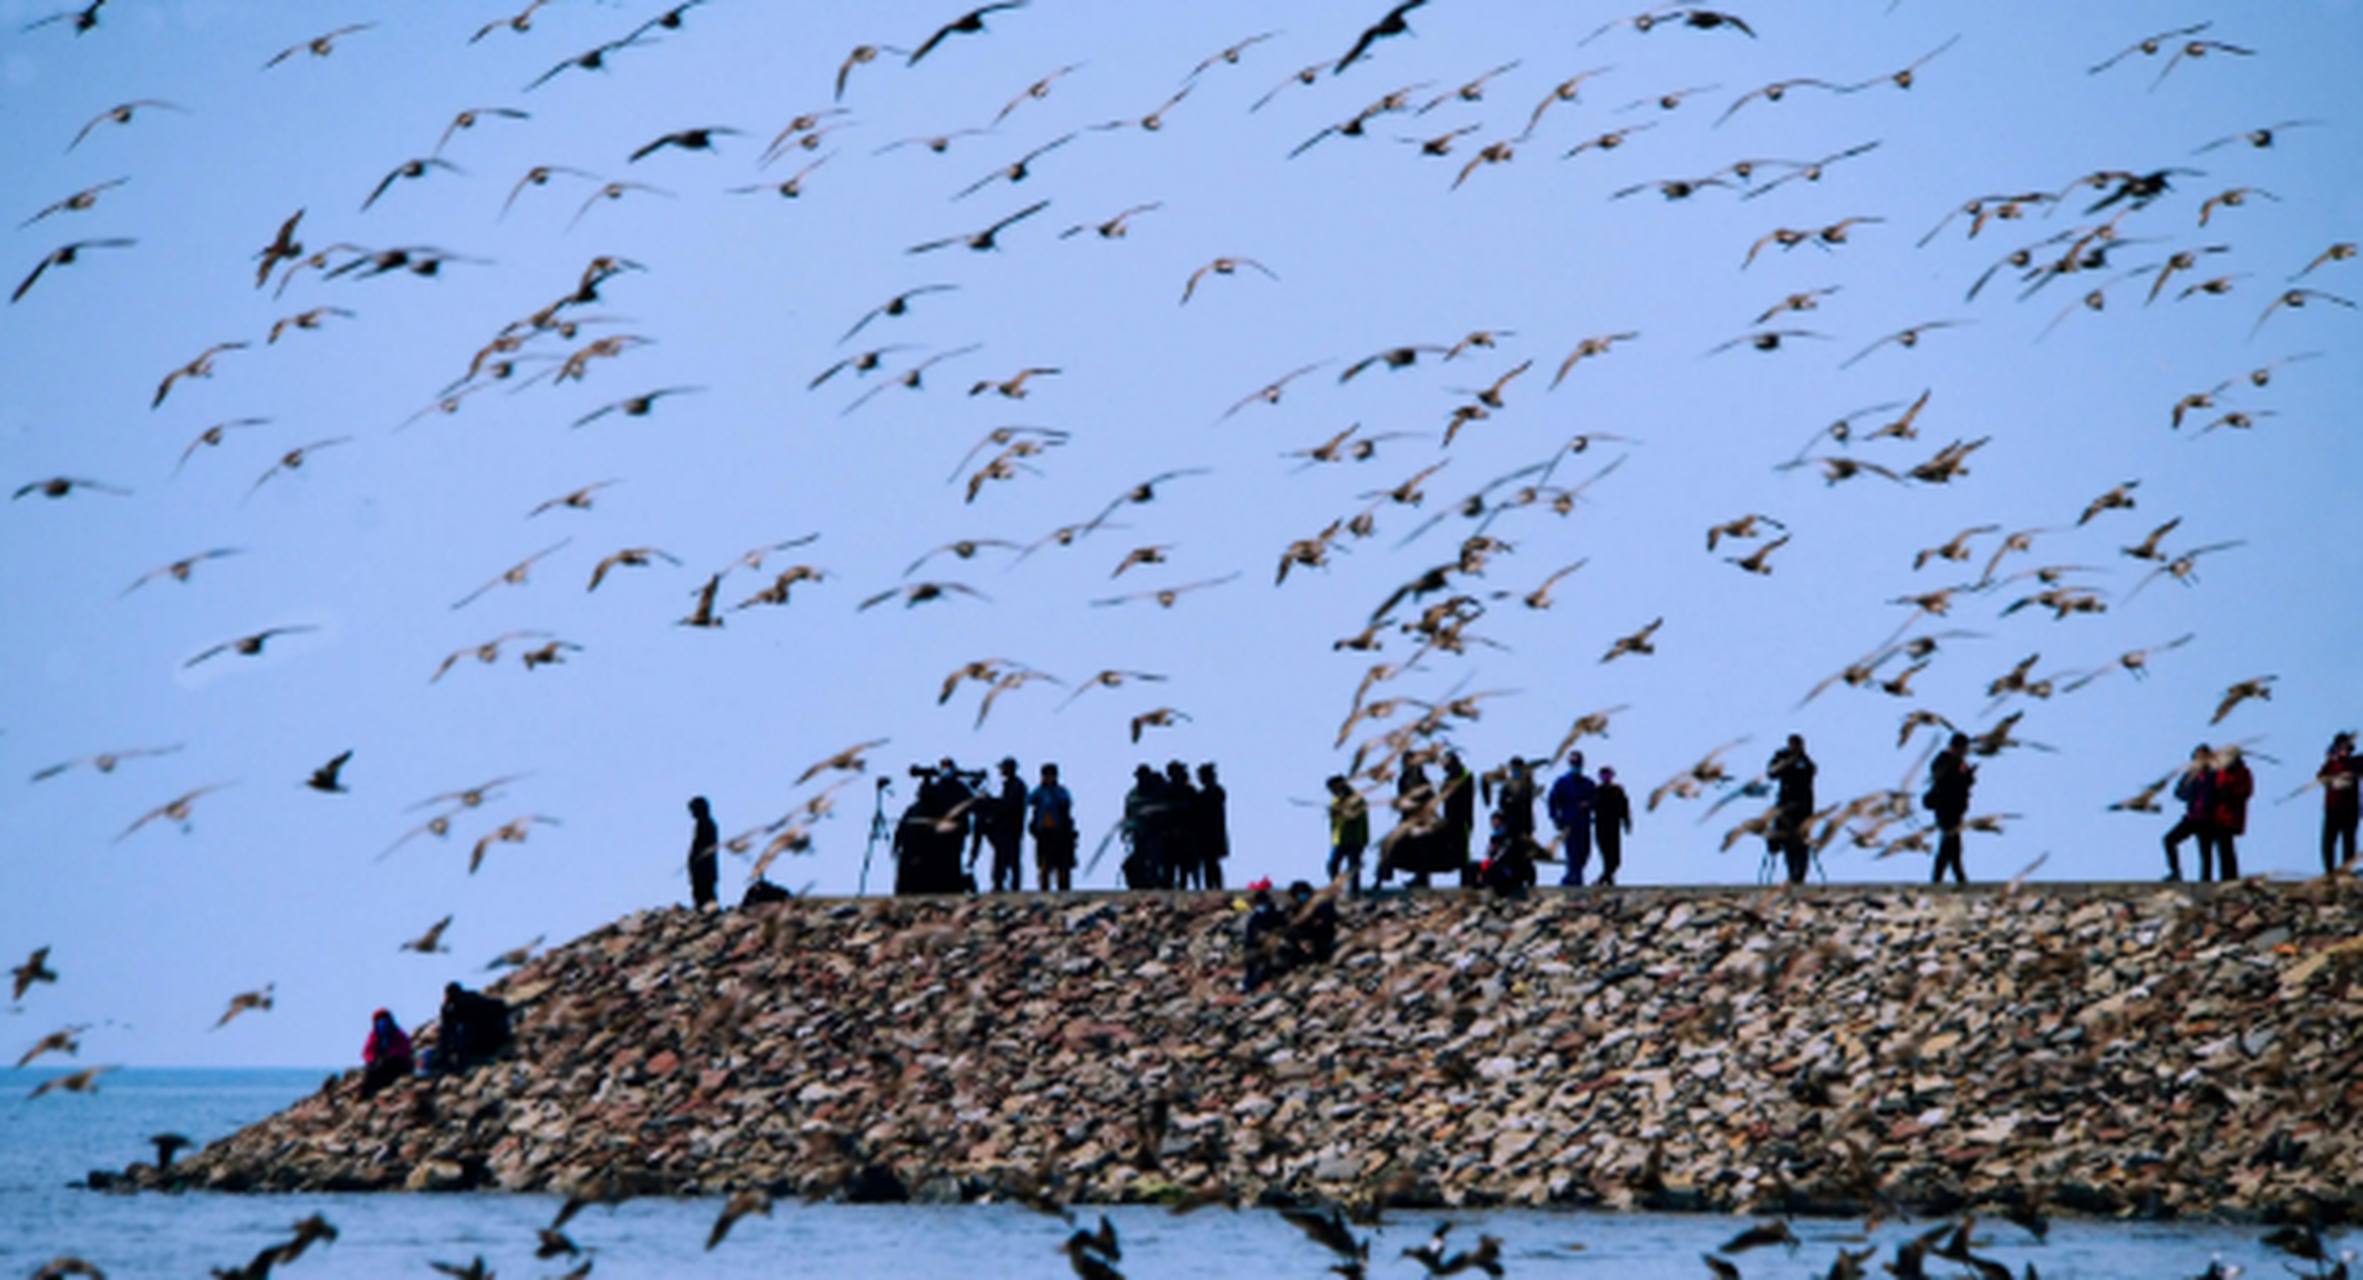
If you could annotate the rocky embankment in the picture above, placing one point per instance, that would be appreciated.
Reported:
(2103, 1050)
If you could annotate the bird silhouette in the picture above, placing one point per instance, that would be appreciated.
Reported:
(33, 970)
(67, 255)
(257, 1001)
(319, 46)
(430, 943)
(1393, 24)
(81, 200)
(248, 645)
(981, 240)
(326, 777)
(753, 1200)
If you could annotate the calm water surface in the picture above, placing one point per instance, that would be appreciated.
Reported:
(46, 1144)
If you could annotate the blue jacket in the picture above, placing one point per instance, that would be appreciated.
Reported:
(1571, 801)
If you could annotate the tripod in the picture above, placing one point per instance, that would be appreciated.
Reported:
(879, 830)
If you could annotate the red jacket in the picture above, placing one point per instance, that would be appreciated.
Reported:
(2233, 786)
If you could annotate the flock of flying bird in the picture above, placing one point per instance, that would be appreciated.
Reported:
(2111, 239)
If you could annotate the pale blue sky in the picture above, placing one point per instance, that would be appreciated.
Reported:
(746, 296)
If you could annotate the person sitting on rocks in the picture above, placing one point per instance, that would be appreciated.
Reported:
(386, 1056)
(472, 1029)
(1312, 926)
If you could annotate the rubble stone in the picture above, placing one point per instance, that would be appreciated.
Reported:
(2115, 1050)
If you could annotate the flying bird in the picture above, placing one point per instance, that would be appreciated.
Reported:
(122, 114)
(1391, 25)
(1222, 267)
(1637, 643)
(75, 203)
(753, 1200)
(318, 46)
(2259, 688)
(698, 139)
(429, 943)
(60, 486)
(629, 558)
(487, 652)
(637, 406)
(259, 1001)
(862, 55)
(326, 777)
(514, 576)
(981, 240)
(1161, 718)
(514, 831)
(970, 23)
(248, 645)
(1906, 338)
(35, 969)
(83, 1081)
(293, 460)
(105, 762)
(201, 367)
(67, 255)
(415, 168)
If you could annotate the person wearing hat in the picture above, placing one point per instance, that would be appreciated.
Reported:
(1612, 817)
(704, 854)
(386, 1057)
(2339, 777)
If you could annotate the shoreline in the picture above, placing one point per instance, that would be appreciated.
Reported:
(2145, 1050)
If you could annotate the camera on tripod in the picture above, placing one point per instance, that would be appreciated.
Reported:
(970, 778)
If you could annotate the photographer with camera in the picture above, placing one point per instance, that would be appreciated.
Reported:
(1791, 771)
(928, 840)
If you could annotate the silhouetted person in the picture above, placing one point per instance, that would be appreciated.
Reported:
(1459, 791)
(2233, 786)
(1143, 829)
(1514, 799)
(1349, 831)
(1409, 847)
(2339, 776)
(1003, 825)
(386, 1056)
(1791, 773)
(1178, 814)
(1570, 807)
(1266, 939)
(2196, 789)
(933, 830)
(1950, 776)
(471, 1029)
(1312, 926)
(705, 844)
(1612, 817)
(1053, 825)
(1214, 827)
(1508, 869)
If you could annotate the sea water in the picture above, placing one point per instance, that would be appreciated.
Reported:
(48, 1144)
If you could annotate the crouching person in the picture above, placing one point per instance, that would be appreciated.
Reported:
(472, 1029)
(386, 1057)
